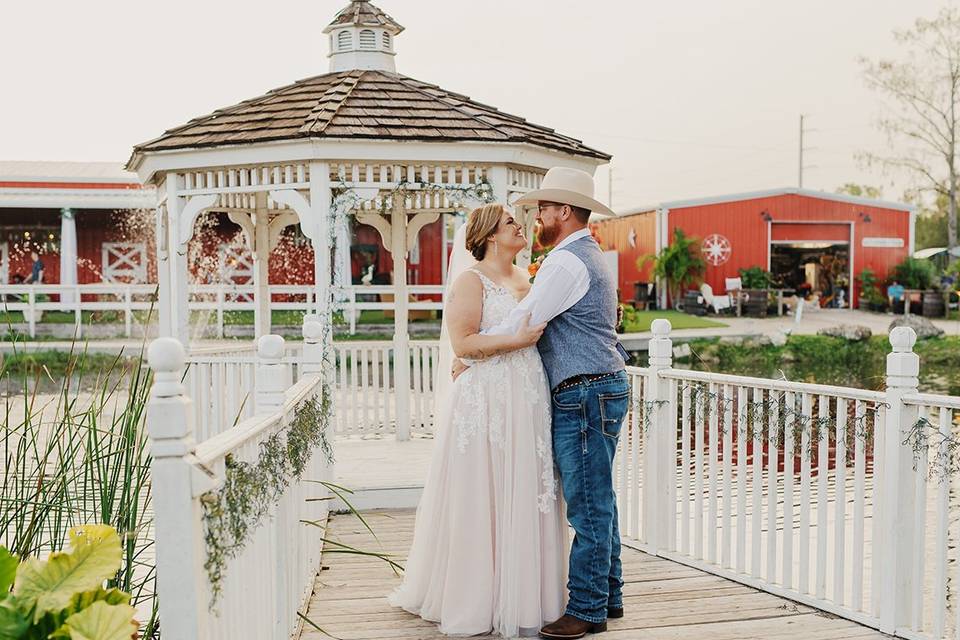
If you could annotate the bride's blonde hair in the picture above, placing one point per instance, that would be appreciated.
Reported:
(481, 224)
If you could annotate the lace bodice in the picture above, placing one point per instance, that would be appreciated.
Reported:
(498, 302)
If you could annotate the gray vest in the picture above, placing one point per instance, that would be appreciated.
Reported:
(583, 339)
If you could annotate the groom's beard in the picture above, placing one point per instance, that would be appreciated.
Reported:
(548, 235)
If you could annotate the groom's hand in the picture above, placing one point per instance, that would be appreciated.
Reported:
(458, 368)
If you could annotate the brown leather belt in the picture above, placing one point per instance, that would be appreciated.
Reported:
(580, 379)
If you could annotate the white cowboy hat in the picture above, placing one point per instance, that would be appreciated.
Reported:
(567, 186)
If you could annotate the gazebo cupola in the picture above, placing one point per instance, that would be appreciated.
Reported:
(361, 37)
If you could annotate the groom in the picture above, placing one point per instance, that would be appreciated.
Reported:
(576, 294)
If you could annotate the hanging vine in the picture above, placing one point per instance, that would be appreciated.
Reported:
(233, 512)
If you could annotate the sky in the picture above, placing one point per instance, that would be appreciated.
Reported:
(693, 98)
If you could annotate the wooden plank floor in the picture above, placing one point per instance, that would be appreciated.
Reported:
(663, 600)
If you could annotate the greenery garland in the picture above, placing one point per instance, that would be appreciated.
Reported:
(233, 512)
(946, 446)
(759, 412)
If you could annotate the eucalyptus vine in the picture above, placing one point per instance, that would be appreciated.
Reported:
(233, 512)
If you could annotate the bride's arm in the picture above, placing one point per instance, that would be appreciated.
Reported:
(464, 309)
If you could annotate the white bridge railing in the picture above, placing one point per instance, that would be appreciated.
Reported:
(132, 301)
(834, 497)
(269, 579)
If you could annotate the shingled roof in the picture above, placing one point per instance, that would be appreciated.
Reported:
(362, 104)
(362, 13)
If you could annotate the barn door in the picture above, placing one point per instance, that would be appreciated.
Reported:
(124, 262)
(236, 267)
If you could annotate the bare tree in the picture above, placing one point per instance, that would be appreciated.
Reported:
(923, 117)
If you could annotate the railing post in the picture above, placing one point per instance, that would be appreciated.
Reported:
(312, 360)
(182, 587)
(899, 480)
(32, 301)
(658, 459)
(273, 375)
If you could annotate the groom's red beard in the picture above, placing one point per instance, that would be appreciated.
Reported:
(547, 236)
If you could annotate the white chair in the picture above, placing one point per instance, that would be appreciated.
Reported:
(719, 303)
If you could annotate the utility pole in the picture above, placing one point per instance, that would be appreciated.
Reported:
(800, 166)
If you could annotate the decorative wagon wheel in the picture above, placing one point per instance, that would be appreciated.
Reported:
(716, 249)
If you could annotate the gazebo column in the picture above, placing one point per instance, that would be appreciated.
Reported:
(165, 318)
(68, 253)
(401, 318)
(261, 268)
(179, 282)
(319, 233)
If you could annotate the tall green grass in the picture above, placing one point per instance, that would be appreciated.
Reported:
(76, 457)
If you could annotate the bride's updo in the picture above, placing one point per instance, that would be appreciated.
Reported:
(481, 224)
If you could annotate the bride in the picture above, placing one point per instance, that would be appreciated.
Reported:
(490, 542)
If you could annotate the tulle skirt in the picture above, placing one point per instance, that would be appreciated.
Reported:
(490, 542)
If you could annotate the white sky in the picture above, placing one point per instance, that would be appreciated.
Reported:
(692, 98)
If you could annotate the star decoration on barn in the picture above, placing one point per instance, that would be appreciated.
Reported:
(716, 249)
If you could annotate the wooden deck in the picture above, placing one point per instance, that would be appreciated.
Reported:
(663, 599)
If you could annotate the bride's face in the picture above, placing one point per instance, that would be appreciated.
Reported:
(509, 235)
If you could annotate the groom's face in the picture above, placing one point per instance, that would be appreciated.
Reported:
(549, 217)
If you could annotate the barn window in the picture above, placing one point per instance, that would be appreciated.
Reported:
(386, 40)
(368, 39)
(343, 40)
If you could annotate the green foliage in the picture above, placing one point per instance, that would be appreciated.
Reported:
(63, 596)
(96, 469)
(915, 274)
(756, 278)
(870, 287)
(232, 513)
(680, 263)
(861, 190)
(635, 321)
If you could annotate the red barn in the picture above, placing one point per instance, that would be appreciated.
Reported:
(790, 232)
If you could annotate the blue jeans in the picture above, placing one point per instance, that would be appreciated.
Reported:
(587, 420)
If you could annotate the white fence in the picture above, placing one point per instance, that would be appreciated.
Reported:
(834, 497)
(271, 577)
(214, 299)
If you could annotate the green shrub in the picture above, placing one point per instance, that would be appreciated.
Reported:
(915, 274)
(756, 278)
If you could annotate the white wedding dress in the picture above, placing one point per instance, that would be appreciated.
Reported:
(490, 545)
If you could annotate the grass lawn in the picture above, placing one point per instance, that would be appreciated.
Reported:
(638, 321)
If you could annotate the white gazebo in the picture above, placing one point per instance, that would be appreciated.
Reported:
(361, 140)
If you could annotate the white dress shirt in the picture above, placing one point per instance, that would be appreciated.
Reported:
(561, 282)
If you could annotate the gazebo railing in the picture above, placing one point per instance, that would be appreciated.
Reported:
(253, 590)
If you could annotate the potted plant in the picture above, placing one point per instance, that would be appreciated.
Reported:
(756, 283)
(918, 275)
(870, 295)
(680, 264)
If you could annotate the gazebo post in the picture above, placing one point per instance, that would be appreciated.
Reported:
(179, 282)
(165, 318)
(401, 337)
(261, 268)
(317, 228)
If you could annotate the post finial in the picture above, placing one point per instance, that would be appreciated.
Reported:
(902, 339)
(167, 358)
(661, 327)
(271, 347)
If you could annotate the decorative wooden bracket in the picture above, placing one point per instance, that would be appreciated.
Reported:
(278, 224)
(382, 225)
(246, 225)
(188, 215)
(295, 200)
(418, 222)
